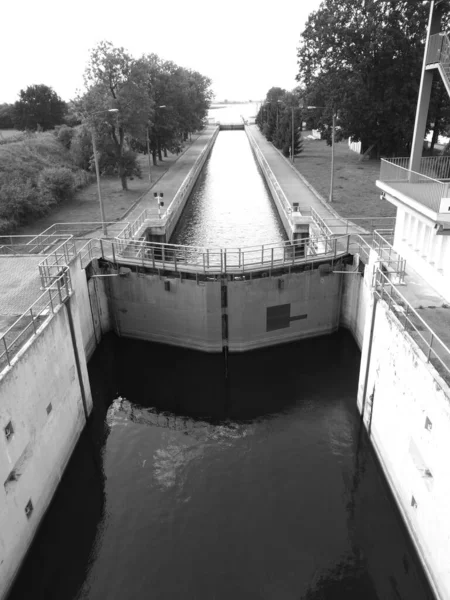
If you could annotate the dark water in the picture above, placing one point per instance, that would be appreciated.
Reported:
(230, 205)
(190, 488)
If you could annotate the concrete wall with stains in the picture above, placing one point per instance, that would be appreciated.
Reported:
(261, 312)
(406, 407)
(41, 399)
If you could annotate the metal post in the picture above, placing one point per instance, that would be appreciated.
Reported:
(429, 347)
(332, 157)
(51, 299)
(148, 154)
(292, 142)
(97, 172)
(6, 350)
(32, 320)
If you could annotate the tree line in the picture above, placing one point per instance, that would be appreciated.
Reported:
(130, 105)
(362, 59)
(277, 116)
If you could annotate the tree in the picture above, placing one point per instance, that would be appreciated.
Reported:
(39, 107)
(114, 79)
(364, 59)
(6, 116)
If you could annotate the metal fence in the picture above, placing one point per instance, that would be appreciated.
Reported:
(194, 259)
(392, 261)
(273, 180)
(33, 318)
(51, 267)
(436, 351)
(423, 189)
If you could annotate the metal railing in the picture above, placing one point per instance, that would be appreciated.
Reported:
(51, 267)
(151, 217)
(194, 259)
(320, 223)
(434, 49)
(436, 351)
(392, 260)
(186, 186)
(34, 317)
(436, 167)
(438, 52)
(366, 225)
(423, 189)
(19, 245)
(286, 205)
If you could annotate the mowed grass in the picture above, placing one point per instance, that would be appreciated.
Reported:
(355, 194)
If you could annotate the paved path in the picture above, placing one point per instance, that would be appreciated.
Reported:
(295, 186)
(171, 181)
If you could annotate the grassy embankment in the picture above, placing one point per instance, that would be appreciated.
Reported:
(28, 205)
(355, 194)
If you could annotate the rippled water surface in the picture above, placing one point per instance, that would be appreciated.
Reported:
(187, 486)
(230, 205)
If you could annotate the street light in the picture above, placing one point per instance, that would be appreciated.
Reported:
(333, 130)
(148, 148)
(97, 170)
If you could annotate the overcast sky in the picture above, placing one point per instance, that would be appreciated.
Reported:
(244, 46)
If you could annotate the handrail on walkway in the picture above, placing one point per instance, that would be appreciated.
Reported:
(34, 317)
(425, 190)
(426, 338)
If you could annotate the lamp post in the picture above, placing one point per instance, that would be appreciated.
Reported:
(97, 170)
(148, 148)
(333, 131)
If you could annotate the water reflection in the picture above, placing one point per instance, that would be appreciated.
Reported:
(265, 490)
(230, 205)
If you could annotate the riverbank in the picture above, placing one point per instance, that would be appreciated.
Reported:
(84, 206)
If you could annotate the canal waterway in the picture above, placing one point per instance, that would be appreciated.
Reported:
(186, 486)
(230, 205)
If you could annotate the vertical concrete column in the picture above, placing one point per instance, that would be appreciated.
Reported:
(423, 102)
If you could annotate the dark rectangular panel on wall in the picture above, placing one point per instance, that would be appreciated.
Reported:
(278, 317)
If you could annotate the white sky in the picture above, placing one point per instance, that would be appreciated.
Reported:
(244, 46)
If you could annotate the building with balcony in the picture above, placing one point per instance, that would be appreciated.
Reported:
(420, 186)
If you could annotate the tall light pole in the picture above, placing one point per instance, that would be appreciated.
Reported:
(333, 132)
(148, 148)
(97, 170)
(292, 141)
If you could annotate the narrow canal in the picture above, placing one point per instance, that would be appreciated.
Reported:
(185, 488)
(230, 205)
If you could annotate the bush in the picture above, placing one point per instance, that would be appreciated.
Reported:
(20, 200)
(56, 183)
(64, 135)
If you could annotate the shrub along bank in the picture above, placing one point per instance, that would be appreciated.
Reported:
(37, 172)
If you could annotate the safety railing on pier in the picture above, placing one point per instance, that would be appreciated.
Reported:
(421, 188)
(436, 351)
(51, 267)
(20, 245)
(28, 324)
(392, 260)
(193, 259)
(273, 180)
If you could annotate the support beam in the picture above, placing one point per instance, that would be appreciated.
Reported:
(423, 102)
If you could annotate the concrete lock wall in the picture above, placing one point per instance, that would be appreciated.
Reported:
(356, 294)
(261, 312)
(187, 314)
(40, 395)
(276, 310)
(407, 414)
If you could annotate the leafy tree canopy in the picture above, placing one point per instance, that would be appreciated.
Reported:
(38, 107)
(362, 58)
